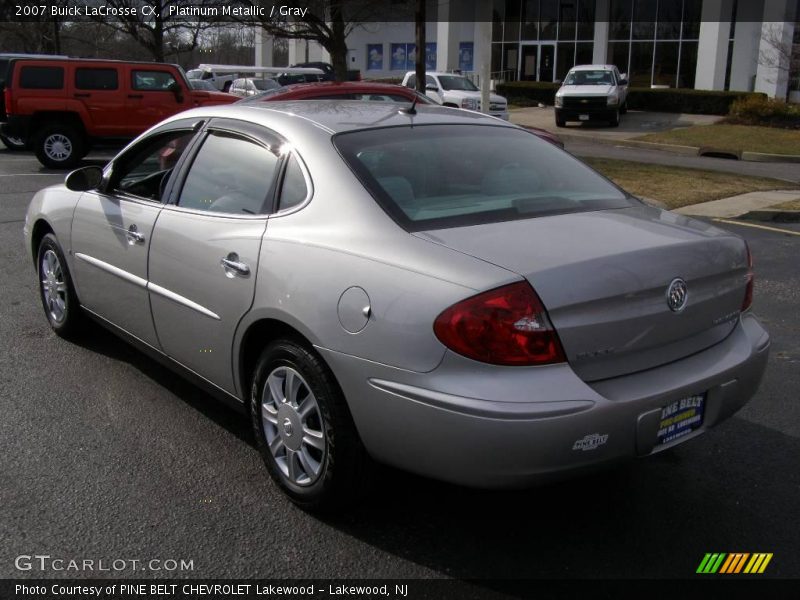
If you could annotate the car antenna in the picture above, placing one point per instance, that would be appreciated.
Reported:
(411, 110)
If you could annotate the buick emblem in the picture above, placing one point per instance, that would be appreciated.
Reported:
(677, 294)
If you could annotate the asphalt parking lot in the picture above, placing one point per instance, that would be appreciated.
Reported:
(104, 454)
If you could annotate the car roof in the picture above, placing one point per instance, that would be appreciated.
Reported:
(592, 68)
(67, 59)
(336, 116)
(344, 86)
(437, 73)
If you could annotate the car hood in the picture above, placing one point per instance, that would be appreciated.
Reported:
(465, 94)
(603, 277)
(585, 90)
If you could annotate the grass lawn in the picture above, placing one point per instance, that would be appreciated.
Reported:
(790, 205)
(676, 186)
(734, 138)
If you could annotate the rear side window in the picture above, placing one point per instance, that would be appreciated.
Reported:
(41, 78)
(435, 176)
(294, 189)
(229, 175)
(96, 79)
(151, 81)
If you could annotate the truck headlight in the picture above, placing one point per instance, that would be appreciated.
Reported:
(559, 101)
(613, 100)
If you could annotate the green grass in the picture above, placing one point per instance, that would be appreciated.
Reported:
(677, 186)
(735, 138)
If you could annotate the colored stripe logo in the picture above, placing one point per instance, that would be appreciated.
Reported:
(734, 563)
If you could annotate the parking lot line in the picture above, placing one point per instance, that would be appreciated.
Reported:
(33, 175)
(767, 228)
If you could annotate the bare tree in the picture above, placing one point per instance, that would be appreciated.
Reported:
(159, 26)
(779, 52)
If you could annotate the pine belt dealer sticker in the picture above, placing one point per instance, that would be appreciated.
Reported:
(734, 563)
(681, 418)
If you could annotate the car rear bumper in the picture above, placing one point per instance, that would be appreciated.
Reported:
(487, 426)
(590, 113)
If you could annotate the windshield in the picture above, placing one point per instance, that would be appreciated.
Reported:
(590, 78)
(454, 82)
(497, 174)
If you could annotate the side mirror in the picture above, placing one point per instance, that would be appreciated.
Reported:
(84, 179)
(176, 89)
(623, 79)
(431, 88)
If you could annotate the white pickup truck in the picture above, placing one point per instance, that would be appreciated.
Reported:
(592, 93)
(452, 89)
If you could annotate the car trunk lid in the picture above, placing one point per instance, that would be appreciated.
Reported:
(603, 277)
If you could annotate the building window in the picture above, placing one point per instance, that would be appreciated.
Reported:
(374, 57)
(403, 57)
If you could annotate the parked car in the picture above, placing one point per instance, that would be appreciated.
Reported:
(12, 142)
(60, 107)
(327, 74)
(200, 84)
(592, 93)
(452, 89)
(491, 316)
(340, 90)
(220, 81)
(362, 90)
(250, 86)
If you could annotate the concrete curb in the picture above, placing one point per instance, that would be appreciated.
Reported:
(774, 216)
(761, 157)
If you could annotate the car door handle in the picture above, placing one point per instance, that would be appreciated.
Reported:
(133, 235)
(232, 265)
(135, 95)
(82, 95)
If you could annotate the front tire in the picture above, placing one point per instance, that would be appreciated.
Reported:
(59, 146)
(56, 291)
(614, 121)
(304, 429)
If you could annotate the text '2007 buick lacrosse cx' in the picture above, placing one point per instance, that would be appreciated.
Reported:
(424, 287)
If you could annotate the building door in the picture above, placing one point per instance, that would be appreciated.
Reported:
(547, 62)
(528, 62)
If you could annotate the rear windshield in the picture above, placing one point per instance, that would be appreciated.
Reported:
(194, 74)
(436, 176)
(266, 84)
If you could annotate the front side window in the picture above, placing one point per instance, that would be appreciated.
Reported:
(434, 176)
(41, 78)
(151, 81)
(230, 174)
(144, 170)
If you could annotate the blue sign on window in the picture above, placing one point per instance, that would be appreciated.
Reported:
(399, 58)
(374, 57)
(430, 56)
(465, 56)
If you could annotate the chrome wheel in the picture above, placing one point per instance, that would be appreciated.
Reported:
(293, 426)
(54, 287)
(57, 147)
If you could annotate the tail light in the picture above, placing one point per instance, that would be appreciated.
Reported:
(748, 291)
(504, 326)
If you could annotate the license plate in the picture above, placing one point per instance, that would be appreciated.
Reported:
(583, 117)
(680, 418)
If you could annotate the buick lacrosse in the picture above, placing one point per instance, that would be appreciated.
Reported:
(424, 287)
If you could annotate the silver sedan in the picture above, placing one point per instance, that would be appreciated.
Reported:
(428, 288)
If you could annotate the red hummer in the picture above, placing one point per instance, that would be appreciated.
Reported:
(61, 106)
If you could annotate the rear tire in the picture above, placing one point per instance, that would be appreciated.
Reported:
(59, 146)
(12, 144)
(304, 429)
(56, 291)
(560, 122)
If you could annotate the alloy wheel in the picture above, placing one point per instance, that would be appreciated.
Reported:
(54, 287)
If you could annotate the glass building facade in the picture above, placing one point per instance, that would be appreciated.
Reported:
(654, 41)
